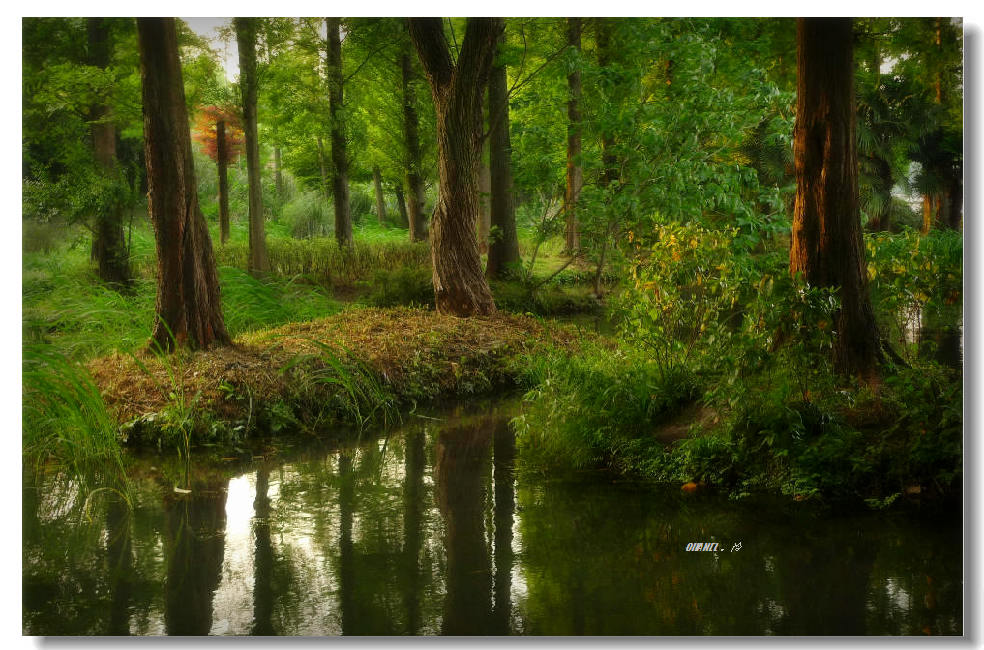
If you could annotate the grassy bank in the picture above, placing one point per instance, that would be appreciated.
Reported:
(358, 366)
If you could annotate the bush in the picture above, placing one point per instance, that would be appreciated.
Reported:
(308, 215)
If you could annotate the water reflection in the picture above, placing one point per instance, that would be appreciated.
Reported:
(428, 530)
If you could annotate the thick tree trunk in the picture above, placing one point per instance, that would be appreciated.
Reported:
(826, 237)
(927, 220)
(246, 40)
(339, 155)
(189, 311)
(108, 242)
(460, 287)
(484, 209)
(222, 159)
(504, 247)
(411, 133)
(377, 180)
(575, 177)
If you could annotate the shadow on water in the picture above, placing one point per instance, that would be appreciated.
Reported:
(429, 530)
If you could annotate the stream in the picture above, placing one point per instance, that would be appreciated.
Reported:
(428, 528)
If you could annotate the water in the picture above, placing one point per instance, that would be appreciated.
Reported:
(429, 530)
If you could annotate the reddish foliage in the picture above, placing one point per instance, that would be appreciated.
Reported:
(204, 132)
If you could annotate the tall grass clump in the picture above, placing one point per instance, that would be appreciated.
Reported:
(332, 384)
(307, 216)
(323, 261)
(65, 419)
(250, 303)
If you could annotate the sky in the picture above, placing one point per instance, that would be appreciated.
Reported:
(228, 51)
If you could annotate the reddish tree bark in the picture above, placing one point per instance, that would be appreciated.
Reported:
(339, 154)
(504, 246)
(246, 40)
(460, 287)
(826, 236)
(189, 311)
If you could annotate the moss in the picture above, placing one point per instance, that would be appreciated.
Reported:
(339, 368)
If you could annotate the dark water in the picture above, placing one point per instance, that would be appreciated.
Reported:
(428, 530)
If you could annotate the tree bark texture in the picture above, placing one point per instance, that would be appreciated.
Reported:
(401, 204)
(246, 40)
(460, 287)
(222, 157)
(504, 245)
(339, 154)
(108, 242)
(575, 177)
(377, 181)
(321, 166)
(411, 133)
(189, 311)
(484, 210)
(826, 236)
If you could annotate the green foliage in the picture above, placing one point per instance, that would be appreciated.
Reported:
(324, 262)
(65, 419)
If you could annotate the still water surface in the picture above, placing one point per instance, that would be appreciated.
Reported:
(429, 530)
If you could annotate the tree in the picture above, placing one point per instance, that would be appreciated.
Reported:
(108, 245)
(339, 157)
(826, 236)
(460, 287)
(188, 310)
(504, 245)
(572, 237)
(219, 135)
(246, 40)
(411, 135)
(377, 181)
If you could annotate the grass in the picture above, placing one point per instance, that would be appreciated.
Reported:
(335, 369)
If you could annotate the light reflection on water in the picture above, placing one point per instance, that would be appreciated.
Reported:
(427, 530)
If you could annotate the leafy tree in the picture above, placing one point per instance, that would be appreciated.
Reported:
(246, 39)
(219, 134)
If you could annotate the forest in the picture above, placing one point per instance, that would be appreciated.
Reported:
(479, 325)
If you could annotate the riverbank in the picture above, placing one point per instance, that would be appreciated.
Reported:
(354, 367)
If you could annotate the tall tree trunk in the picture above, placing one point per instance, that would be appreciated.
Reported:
(246, 40)
(278, 174)
(321, 167)
(609, 160)
(339, 155)
(401, 204)
(411, 134)
(484, 209)
(504, 246)
(460, 287)
(188, 306)
(575, 177)
(222, 157)
(826, 237)
(108, 242)
(377, 180)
